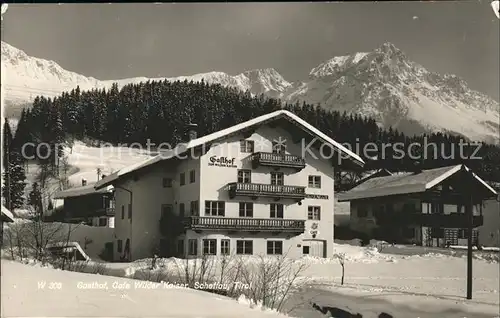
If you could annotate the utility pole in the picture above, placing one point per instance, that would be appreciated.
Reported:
(470, 220)
(469, 203)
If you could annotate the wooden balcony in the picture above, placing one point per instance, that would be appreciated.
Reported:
(269, 159)
(198, 223)
(453, 220)
(255, 190)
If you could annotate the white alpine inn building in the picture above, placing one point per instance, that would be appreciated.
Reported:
(260, 187)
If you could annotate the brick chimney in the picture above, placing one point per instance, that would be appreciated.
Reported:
(191, 132)
(84, 182)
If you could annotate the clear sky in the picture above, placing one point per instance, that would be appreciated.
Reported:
(112, 41)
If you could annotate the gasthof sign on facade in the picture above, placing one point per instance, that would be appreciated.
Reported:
(222, 162)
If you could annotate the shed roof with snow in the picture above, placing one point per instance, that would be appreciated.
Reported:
(81, 191)
(179, 150)
(7, 216)
(407, 183)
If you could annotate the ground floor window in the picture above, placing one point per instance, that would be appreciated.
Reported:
(305, 250)
(103, 222)
(210, 247)
(244, 247)
(274, 247)
(225, 247)
(193, 247)
(119, 246)
(180, 247)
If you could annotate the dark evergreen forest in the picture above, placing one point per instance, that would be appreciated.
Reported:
(158, 111)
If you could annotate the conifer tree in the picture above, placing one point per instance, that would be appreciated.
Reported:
(160, 110)
(14, 174)
(35, 200)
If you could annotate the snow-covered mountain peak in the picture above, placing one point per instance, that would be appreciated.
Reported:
(335, 65)
(266, 81)
(388, 48)
(387, 54)
(11, 53)
(31, 76)
(383, 84)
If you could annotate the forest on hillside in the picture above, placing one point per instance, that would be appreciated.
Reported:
(159, 111)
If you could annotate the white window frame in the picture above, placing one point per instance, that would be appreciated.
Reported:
(215, 208)
(276, 248)
(274, 211)
(277, 178)
(193, 247)
(314, 182)
(314, 212)
(245, 208)
(244, 176)
(209, 247)
(278, 148)
(225, 247)
(244, 247)
(247, 146)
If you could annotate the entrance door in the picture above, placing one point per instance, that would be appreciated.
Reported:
(316, 248)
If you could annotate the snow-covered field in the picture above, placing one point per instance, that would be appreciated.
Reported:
(431, 285)
(69, 294)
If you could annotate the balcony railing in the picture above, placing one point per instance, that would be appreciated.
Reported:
(244, 224)
(453, 220)
(266, 190)
(278, 160)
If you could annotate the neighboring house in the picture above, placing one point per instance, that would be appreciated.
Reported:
(70, 250)
(248, 189)
(86, 204)
(424, 207)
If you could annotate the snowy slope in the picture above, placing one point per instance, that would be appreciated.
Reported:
(383, 84)
(431, 285)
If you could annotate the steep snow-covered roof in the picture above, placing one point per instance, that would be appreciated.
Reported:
(182, 148)
(7, 216)
(405, 183)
